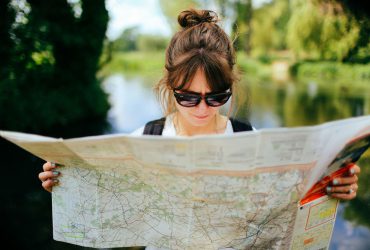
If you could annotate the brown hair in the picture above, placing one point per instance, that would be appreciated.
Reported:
(200, 44)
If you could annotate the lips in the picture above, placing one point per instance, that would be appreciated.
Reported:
(201, 116)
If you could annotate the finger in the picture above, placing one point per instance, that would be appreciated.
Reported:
(43, 176)
(344, 196)
(48, 166)
(51, 165)
(342, 189)
(48, 184)
(345, 180)
(354, 170)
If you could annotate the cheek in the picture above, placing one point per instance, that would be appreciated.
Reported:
(182, 110)
(214, 110)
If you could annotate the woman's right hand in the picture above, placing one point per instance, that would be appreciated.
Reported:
(49, 177)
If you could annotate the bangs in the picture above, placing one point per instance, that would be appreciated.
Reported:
(218, 74)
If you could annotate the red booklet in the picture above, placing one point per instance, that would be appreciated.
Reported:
(339, 167)
(319, 189)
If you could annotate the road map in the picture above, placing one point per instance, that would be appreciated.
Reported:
(249, 190)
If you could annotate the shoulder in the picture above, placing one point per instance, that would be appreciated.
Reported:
(150, 128)
(154, 127)
(163, 126)
(240, 126)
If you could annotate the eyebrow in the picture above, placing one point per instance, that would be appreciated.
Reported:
(195, 93)
(207, 93)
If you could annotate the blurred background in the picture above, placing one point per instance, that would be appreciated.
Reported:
(76, 68)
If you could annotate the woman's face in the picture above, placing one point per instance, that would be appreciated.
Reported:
(202, 114)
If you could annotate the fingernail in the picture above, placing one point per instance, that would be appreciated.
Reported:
(55, 173)
(55, 180)
(328, 189)
(335, 182)
(352, 171)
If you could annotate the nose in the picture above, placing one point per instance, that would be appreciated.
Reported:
(202, 106)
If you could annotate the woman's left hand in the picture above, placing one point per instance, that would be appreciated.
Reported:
(345, 188)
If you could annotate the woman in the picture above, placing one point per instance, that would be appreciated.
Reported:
(199, 78)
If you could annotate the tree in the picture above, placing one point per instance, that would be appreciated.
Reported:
(7, 16)
(321, 30)
(49, 72)
(360, 10)
(242, 25)
(270, 33)
(127, 41)
(152, 42)
(171, 9)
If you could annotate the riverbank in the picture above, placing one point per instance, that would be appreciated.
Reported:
(149, 63)
(152, 63)
(332, 71)
(145, 63)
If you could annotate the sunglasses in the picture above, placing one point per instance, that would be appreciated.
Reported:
(193, 99)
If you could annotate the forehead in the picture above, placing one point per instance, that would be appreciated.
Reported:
(198, 83)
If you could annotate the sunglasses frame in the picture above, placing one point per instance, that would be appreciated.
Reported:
(201, 97)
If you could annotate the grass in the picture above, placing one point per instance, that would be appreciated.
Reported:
(151, 64)
(253, 67)
(145, 63)
(332, 72)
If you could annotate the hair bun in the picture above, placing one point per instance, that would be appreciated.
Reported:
(189, 18)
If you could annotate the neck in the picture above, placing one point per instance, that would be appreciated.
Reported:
(216, 125)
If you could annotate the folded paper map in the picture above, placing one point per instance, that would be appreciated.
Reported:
(248, 190)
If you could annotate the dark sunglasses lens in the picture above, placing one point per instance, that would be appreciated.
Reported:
(188, 100)
(217, 99)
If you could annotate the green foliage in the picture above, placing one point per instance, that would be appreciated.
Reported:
(253, 68)
(127, 41)
(242, 24)
(269, 27)
(49, 67)
(360, 10)
(328, 71)
(321, 30)
(152, 63)
(362, 55)
(171, 9)
(152, 43)
(146, 63)
(132, 40)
